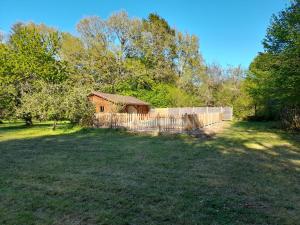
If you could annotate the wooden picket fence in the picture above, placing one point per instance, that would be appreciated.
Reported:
(157, 122)
(227, 112)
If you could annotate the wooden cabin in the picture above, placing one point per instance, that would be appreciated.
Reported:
(105, 102)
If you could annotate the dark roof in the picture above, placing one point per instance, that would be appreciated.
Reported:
(128, 100)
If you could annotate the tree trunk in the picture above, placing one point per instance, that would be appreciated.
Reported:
(28, 119)
(54, 125)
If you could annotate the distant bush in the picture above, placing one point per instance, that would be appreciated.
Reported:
(78, 109)
(164, 95)
(290, 118)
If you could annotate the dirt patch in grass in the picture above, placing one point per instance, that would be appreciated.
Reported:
(209, 132)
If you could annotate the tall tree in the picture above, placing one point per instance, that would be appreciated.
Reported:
(275, 74)
(189, 62)
(158, 48)
(30, 55)
(100, 61)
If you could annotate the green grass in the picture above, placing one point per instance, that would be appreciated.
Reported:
(249, 174)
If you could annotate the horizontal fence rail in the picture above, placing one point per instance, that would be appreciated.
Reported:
(157, 122)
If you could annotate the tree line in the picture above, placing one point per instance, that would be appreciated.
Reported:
(46, 74)
(273, 81)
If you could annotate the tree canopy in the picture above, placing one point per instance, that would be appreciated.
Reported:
(274, 77)
(42, 68)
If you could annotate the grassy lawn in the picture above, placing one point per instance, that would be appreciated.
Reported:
(249, 174)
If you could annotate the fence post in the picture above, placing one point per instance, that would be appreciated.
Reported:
(193, 121)
(182, 123)
(110, 120)
(158, 123)
(221, 113)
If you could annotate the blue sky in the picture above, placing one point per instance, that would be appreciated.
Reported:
(230, 31)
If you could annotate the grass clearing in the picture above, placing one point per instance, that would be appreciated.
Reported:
(249, 174)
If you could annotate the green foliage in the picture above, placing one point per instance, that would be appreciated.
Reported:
(58, 102)
(283, 34)
(30, 56)
(34, 55)
(8, 94)
(226, 87)
(47, 74)
(274, 80)
(162, 95)
(77, 108)
(47, 103)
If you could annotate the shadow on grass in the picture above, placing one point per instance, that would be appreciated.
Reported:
(16, 126)
(21, 125)
(95, 176)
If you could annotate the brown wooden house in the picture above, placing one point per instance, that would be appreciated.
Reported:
(105, 102)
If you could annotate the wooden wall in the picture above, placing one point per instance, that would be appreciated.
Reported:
(97, 101)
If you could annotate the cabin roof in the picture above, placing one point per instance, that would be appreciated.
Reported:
(121, 99)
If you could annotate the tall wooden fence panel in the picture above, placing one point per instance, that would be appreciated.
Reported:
(157, 122)
(226, 111)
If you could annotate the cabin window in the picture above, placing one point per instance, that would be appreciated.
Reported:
(101, 109)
